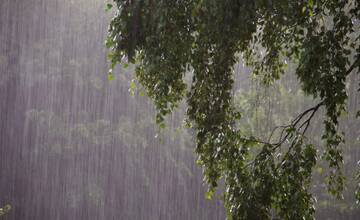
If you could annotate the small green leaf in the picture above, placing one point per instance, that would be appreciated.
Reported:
(358, 114)
(237, 115)
(109, 43)
(320, 170)
(209, 194)
(162, 125)
(126, 65)
(110, 77)
(132, 85)
(108, 7)
(311, 7)
(132, 88)
(311, 4)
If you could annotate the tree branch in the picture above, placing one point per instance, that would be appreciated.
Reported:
(353, 66)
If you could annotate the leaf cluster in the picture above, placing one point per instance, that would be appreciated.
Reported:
(167, 39)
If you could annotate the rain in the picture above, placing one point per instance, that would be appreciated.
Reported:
(78, 145)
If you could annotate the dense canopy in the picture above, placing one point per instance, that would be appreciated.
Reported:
(166, 40)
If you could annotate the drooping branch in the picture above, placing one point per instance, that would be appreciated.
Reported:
(288, 130)
(293, 126)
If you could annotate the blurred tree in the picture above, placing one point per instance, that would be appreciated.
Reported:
(167, 39)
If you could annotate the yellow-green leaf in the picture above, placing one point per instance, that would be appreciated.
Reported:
(110, 77)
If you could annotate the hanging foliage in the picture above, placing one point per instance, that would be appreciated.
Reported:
(167, 39)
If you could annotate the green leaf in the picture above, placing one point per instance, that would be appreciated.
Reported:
(162, 125)
(110, 77)
(311, 7)
(132, 88)
(109, 43)
(311, 4)
(209, 194)
(320, 170)
(108, 7)
(132, 85)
